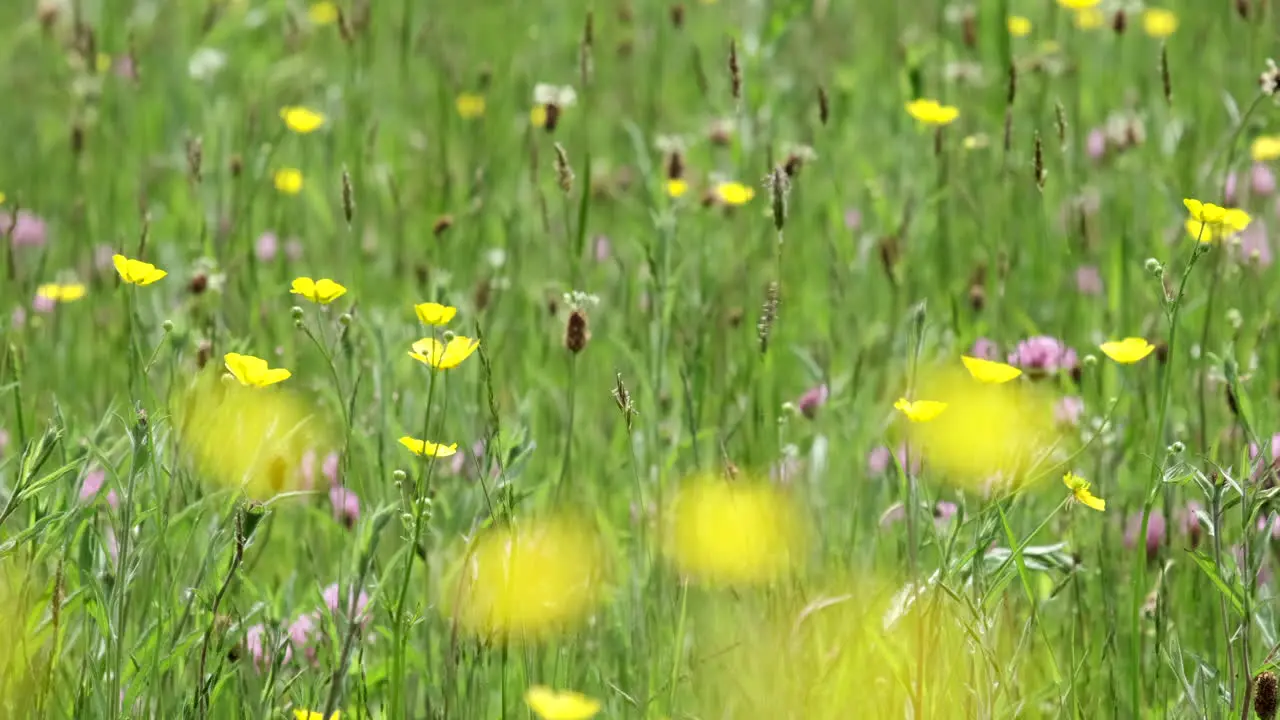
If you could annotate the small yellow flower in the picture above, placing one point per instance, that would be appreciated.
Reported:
(430, 313)
(538, 116)
(1090, 18)
(427, 448)
(1019, 26)
(1158, 22)
(930, 112)
(1, 198)
(919, 411)
(102, 63)
(440, 356)
(1204, 212)
(301, 120)
(1127, 351)
(734, 193)
(988, 371)
(322, 291)
(676, 188)
(1080, 488)
(470, 105)
(253, 371)
(1210, 222)
(1264, 148)
(61, 293)
(550, 704)
(322, 13)
(1078, 4)
(136, 272)
(288, 181)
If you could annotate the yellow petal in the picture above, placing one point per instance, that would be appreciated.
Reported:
(1019, 26)
(1127, 351)
(322, 13)
(988, 371)
(273, 376)
(1073, 481)
(427, 448)
(920, 410)
(304, 286)
(327, 291)
(301, 120)
(676, 188)
(71, 293)
(458, 349)
(430, 313)
(1090, 500)
(551, 705)
(1236, 219)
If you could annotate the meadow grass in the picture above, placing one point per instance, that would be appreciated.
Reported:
(681, 487)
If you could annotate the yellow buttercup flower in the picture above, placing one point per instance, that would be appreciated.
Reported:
(550, 704)
(1211, 222)
(1080, 488)
(1158, 22)
(919, 410)
(301, 120)
(322, 291)
(288, 181)
(1078, 4)
(136, 272)
(253, 371)
(1265, 147)
(930, 112)
(61, 293)
(989, 371)
(470, 105)
(430, 313)
(1090, 18)
(442, 356)
(676, 188)
(538, 116)
(428, 448)
(1127, 351)
(323, 13)
(734, 193)
(1019, 26)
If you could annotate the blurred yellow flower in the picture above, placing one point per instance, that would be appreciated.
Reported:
(301, 120)
(550, 704)
(732, 533)
(538, 116)
(102, 63)
(323, 13)
(61, 293)
(1127, 351)
(1090, 18)
(930, 112)
(288, 181)
(526, 579)
(1158, 22)
(136, 272)
(441, 356)
(1265, 147)
(676, 188)
(1078, 4)
(470, 105)
(428, 448)
(322, 291)
(987, 429)
(734, 193)
(988, 371)
(1080, 488)
(1, 198)
(919, 411)
(430, 313)
(243, 438)
(253, 371)
(1019, 26)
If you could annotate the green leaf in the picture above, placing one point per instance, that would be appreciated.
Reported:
(1210, 568)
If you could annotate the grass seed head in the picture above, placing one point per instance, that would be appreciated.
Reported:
(1266, 699)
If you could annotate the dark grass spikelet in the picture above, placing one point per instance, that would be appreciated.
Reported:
(890, 252)
(195, 159)
(735, 70)
(969, 29)
(675, 165)
(1041, 173)
(1011, 91)
(1166, 83)
(441, 225)
(77, 138)
(553, 117)
(236, 165)
(1242, 9)
(483, 293)
(623, 398)
(1120, 22)
(1232, 403)
(576, 331)
(584, 51)
(677, 16)
(1060, 124)
(199, 283)
(1008, 129)
(1265, 695)
(824, 106)
(203, 352)
(779, 183)
(564, 173)
(768, 316)
(348, 197)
